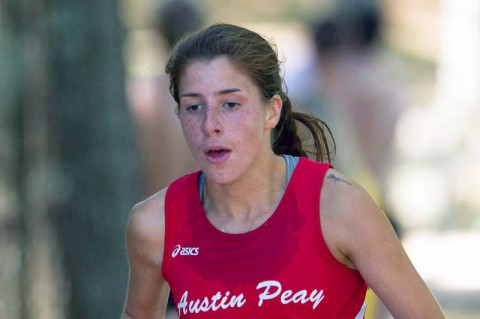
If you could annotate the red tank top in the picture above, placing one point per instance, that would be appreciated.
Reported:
(282, 269)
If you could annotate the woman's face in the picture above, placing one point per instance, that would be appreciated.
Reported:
(225, 119)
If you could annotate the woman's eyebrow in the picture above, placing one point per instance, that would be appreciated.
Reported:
(227, 91)
(190, 95)
(221, 92)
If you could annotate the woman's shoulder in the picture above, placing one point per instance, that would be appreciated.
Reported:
(146, 228)
(340, 192)
(347, 213)
(150, 210)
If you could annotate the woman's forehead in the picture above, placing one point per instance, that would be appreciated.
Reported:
(219, 73)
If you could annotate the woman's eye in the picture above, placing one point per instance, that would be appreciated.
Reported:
(231, 104)
(193, 107)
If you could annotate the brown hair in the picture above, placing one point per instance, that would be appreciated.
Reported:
(258, 59)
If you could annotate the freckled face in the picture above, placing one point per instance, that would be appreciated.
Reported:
(223, 117)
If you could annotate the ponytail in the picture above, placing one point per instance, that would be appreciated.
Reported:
(286, 137)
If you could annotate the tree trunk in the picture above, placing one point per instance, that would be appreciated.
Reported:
(68, 162)
(96, 152)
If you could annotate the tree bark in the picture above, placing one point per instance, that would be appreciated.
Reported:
(96, 151)
(68, 160)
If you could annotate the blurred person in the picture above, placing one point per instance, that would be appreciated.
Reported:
(164, 152)
(361, 84)
(261, 230)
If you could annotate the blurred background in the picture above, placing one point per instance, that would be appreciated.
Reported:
(87, 130)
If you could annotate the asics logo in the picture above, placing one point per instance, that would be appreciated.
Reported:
(185, 251)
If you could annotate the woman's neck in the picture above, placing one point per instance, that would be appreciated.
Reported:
(247, 203)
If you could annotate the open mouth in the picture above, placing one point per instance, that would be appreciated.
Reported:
(217, 155)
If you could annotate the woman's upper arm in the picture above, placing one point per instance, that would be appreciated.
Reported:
(360, 235)
(147, 294)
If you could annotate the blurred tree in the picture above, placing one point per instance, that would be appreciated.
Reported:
(95, 147)
(70, 157)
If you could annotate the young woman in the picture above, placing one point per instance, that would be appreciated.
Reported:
(261, 231)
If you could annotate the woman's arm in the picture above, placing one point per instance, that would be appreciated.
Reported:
(147, 294)
(360, 236)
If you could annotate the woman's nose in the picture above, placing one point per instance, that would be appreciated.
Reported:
(212, 123)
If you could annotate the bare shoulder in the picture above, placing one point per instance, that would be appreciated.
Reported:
(347, 212)
(341, 195)
(146, 229)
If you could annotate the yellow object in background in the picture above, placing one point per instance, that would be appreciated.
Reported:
(373, 302)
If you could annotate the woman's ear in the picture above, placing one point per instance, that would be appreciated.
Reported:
(274, 109)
